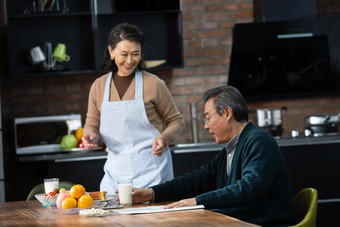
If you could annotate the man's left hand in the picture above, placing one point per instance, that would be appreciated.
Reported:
(182, 203)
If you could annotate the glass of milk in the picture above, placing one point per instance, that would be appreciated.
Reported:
(124, 192)
(51, 184)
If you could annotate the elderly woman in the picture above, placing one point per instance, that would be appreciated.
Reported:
(133, 113)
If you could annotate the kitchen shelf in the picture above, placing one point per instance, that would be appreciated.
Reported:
(49, 14)
(84, 29)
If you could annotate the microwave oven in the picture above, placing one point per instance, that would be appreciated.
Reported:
(41, 135)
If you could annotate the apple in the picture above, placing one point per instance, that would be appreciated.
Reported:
(80, 144)
(54, 192)
(62, 195)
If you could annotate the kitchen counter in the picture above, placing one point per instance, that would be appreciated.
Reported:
(176, 149)
(65, 156)
(307, 140)
(282, 142)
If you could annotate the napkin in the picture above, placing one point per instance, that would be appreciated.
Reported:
(154, 209)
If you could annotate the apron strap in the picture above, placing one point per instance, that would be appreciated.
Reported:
(138, 85)
(106, 97)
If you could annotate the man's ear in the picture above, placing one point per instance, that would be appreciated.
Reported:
(228, 112)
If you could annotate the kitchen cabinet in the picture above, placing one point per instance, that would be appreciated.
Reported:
(317, 166)
(87, 172)
(83, 26)
(198, 154)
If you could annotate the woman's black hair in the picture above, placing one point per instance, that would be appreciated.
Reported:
(124, 31)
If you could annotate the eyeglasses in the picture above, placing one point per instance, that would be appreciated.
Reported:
(206, 120)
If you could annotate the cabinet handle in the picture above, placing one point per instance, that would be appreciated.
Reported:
(337, 200)
(195, 150)
(80, 159)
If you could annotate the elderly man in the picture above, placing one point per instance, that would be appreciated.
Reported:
(248, 179)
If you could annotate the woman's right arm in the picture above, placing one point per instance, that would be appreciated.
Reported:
(91, 135)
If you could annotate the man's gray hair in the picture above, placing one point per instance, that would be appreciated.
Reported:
(228, 96)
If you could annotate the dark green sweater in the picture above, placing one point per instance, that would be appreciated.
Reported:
(257, 190)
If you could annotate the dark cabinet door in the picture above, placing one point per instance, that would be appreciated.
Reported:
(317, 166)
(88, 173)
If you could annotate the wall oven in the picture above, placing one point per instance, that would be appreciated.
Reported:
(41, 135)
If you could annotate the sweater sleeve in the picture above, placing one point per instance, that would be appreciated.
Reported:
(167, 109)
(93, 112)
(191, 184)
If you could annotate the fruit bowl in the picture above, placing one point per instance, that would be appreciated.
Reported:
(47, 200)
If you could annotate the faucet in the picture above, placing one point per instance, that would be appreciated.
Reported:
(194, 123)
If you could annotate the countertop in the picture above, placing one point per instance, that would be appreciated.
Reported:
(176, 149)
(65, 156)
(307, 140)
(282, 142)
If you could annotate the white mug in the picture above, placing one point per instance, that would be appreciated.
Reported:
(37, 55)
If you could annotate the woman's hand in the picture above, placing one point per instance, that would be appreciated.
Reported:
(158, 146)
(182, 203)
(90, 140)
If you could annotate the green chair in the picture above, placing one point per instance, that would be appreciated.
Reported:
(305, 205)
(41, 189)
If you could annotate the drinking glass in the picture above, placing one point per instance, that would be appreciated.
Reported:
(51, 184)
(124, 192)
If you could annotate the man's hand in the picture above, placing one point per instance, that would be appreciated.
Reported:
(182, 203)
(140, 195)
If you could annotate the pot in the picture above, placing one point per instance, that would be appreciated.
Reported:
(323, 120)
(268, 117)
(323, 123)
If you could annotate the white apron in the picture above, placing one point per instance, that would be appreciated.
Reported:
(128, 135)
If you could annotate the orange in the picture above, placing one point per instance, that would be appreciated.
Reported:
(69, 203)
(79, 133)
(77, 191)
(85, 201)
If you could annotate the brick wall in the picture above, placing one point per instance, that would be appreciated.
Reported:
(207, 37)
(328, 8)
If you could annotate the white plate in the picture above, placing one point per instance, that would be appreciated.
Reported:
(154, 63)
(108, 198)
(96, 205)
(84, 149)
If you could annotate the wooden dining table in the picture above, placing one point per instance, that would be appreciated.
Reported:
(32, 213)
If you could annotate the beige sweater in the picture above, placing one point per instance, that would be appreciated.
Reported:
(160, 107)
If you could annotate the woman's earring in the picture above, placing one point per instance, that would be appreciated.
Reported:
(112, 58)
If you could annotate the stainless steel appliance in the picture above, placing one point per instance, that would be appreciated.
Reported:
(40, 135)
(2, 169)
(269, 119)
(323, 125)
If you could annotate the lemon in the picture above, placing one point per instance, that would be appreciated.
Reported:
(79, 133)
